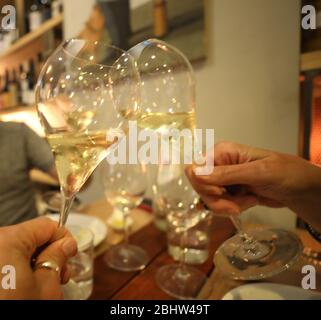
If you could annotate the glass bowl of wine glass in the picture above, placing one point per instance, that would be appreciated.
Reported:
(81, 95)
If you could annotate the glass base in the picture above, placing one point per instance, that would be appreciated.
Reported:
(273, 251)
(183, 282)
(126, 257)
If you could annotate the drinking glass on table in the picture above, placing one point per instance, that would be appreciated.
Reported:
(125, 186)
(194, 226)
(81, 266)
(81, 94)
(181, 203)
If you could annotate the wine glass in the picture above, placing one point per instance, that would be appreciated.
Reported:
(167, 88)
(181, 202)
(168, 105)
(81, 95)
(125, 186)
(257, 254)
(167, 102)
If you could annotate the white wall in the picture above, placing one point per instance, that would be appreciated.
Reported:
(247, 90)
(137, 3)
(77, 12)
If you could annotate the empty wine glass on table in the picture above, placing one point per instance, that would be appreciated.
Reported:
(125, 186)
(81, 94)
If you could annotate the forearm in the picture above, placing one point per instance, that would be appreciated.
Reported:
(306, 200)
(53, 172)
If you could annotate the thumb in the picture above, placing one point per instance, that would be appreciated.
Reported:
(58, 252)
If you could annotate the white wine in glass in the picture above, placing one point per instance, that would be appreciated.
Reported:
(80, 93)
(77, 156)
(165, 121)
(124, 200)
(167, 87)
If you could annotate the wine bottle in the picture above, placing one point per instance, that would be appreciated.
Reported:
(39, 64)
(35, 16)
(13, 89)
(5, 92)
(56, 7)
(45, 9)
(160, 18)
(31, 79)
(23, 69)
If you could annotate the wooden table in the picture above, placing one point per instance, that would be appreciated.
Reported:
(112, 284)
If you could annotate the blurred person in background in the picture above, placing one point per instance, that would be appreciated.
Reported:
(21, 149)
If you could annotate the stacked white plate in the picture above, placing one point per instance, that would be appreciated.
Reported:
(95, 225)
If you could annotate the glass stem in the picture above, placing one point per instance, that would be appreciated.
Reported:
(238, 225)
(182, 244)
(125, 212)
(65, 207)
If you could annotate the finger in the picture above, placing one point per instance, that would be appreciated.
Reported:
(247, 173)
(220, 205)
(58, 252)
(230, 205)
(208, 189)
(65, 274)
(226, 153)
(35, 233)
(38, 232)
(270, 203)
(245, 202)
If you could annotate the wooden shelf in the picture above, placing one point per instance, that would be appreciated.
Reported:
(311, 60)
(31, 36)
(17, 109)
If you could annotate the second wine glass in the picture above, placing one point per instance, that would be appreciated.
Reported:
(125, 186)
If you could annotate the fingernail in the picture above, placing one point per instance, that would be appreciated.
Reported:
(223, 190)
(220, 191)
(69, 247)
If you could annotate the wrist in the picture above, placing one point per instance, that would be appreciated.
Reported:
(306, 199)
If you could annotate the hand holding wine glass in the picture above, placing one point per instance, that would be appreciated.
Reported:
(259, 176)
(243, 177)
